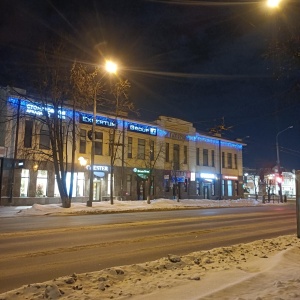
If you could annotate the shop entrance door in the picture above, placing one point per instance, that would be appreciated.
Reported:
(97, 195)
(141, 189)
(206, 191)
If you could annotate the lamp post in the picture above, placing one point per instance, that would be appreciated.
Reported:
(273, 3)
(110, 67)
(278, 161)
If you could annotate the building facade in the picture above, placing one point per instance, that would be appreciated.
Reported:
(166, 158)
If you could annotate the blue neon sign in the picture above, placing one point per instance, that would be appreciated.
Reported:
(198, 138)
(145, 129)
(38, 109)
(100, 121)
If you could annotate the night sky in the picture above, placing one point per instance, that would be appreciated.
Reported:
(200, 61)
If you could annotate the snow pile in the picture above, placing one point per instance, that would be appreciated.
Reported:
(264, 269)
(127, 206)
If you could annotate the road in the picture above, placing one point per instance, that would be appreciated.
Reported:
(36, 249)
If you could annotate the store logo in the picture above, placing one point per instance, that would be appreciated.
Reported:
(146, 129)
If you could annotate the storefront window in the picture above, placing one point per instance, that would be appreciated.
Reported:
(80, 184)
(229, 187)
(223, 187)
(41, 183)
(24, 183)
(128, 185)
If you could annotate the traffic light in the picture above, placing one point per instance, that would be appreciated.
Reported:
(279, 179)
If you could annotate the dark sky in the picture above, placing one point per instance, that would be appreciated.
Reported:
(200, 61)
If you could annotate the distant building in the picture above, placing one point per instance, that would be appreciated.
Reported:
(268, 183)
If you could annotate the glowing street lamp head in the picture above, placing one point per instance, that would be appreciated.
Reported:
(111, 67)
(273, 3)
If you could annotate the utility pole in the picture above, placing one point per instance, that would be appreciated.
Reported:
(122, 165)
(15, 153)
(278, 162)
(298, 201)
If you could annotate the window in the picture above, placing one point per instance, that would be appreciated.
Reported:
(167, 152)
(185, 154)
(229, 187)
(98, 143)
(151, 150)
(129, 147)
(235, 161)
(41, 183)
(205, 157)
(223, 159)
(82, 146)
(80, 184)
(141, 149)
(176, 156)
(24, 183)
(44, 138)
(198, 156)
(229, 160)
(212, 158)
(128, 185)
(28, 134)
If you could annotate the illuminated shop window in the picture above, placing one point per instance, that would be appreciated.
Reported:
(24, 183)
(41, 183)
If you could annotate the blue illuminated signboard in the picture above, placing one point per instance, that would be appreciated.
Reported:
(34, 109)
(38, 109)
(100, 121)
(98, 168)
(146, 129)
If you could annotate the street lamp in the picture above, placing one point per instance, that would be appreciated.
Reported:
(110, 67)
(273, 3)
(278, 161)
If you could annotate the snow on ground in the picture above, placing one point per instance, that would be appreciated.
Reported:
(264, 269)
(125, 206)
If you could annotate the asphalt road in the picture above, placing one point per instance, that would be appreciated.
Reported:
(36, 249)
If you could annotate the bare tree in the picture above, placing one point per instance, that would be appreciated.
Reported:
(152, 159)
(55, 95)
(94, 88)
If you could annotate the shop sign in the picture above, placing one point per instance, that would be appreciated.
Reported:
(100, 121)
(98, 168)
(230, 177)
(193, 176)
(176, 179)
(207, 175)
(177, 136)
(181, 173)
(38, 110)
(141, 171)
(140, 128)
